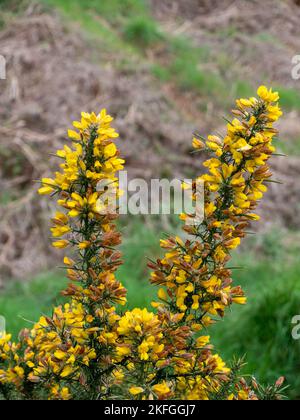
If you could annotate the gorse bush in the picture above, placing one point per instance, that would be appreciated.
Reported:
(89, 349)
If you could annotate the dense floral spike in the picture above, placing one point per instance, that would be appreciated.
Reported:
(195, 284)
(86, 349)
(73, 346)
(194, 271)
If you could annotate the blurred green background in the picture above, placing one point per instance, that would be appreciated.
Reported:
(200, 55)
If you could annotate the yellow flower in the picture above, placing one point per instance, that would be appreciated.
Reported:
(65, 394)
(74, 135)
(60, 244)
(84, 245)
(67, 371)
(161, 390)
(195, 305)
(68, 261)
(240, 300)
(162, 294)
(267, 94)
(110, 151)
(136, 390)
(243, 396)
(198, 144)
(48, 186)
(46, 190)
(59, 231)
(60, 355)
(201, 342)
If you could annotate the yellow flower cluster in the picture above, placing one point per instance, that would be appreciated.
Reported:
(194, 272)
(87, 349)
(192, 276)
(58, 352)
(13, 373)
(60, 345)
(142, 335)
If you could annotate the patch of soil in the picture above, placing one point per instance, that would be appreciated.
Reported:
(282, 204)
(187, 9)
(258, 38)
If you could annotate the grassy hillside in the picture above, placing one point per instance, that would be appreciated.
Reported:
(201, 74)
(172, 58)
(199, 79)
